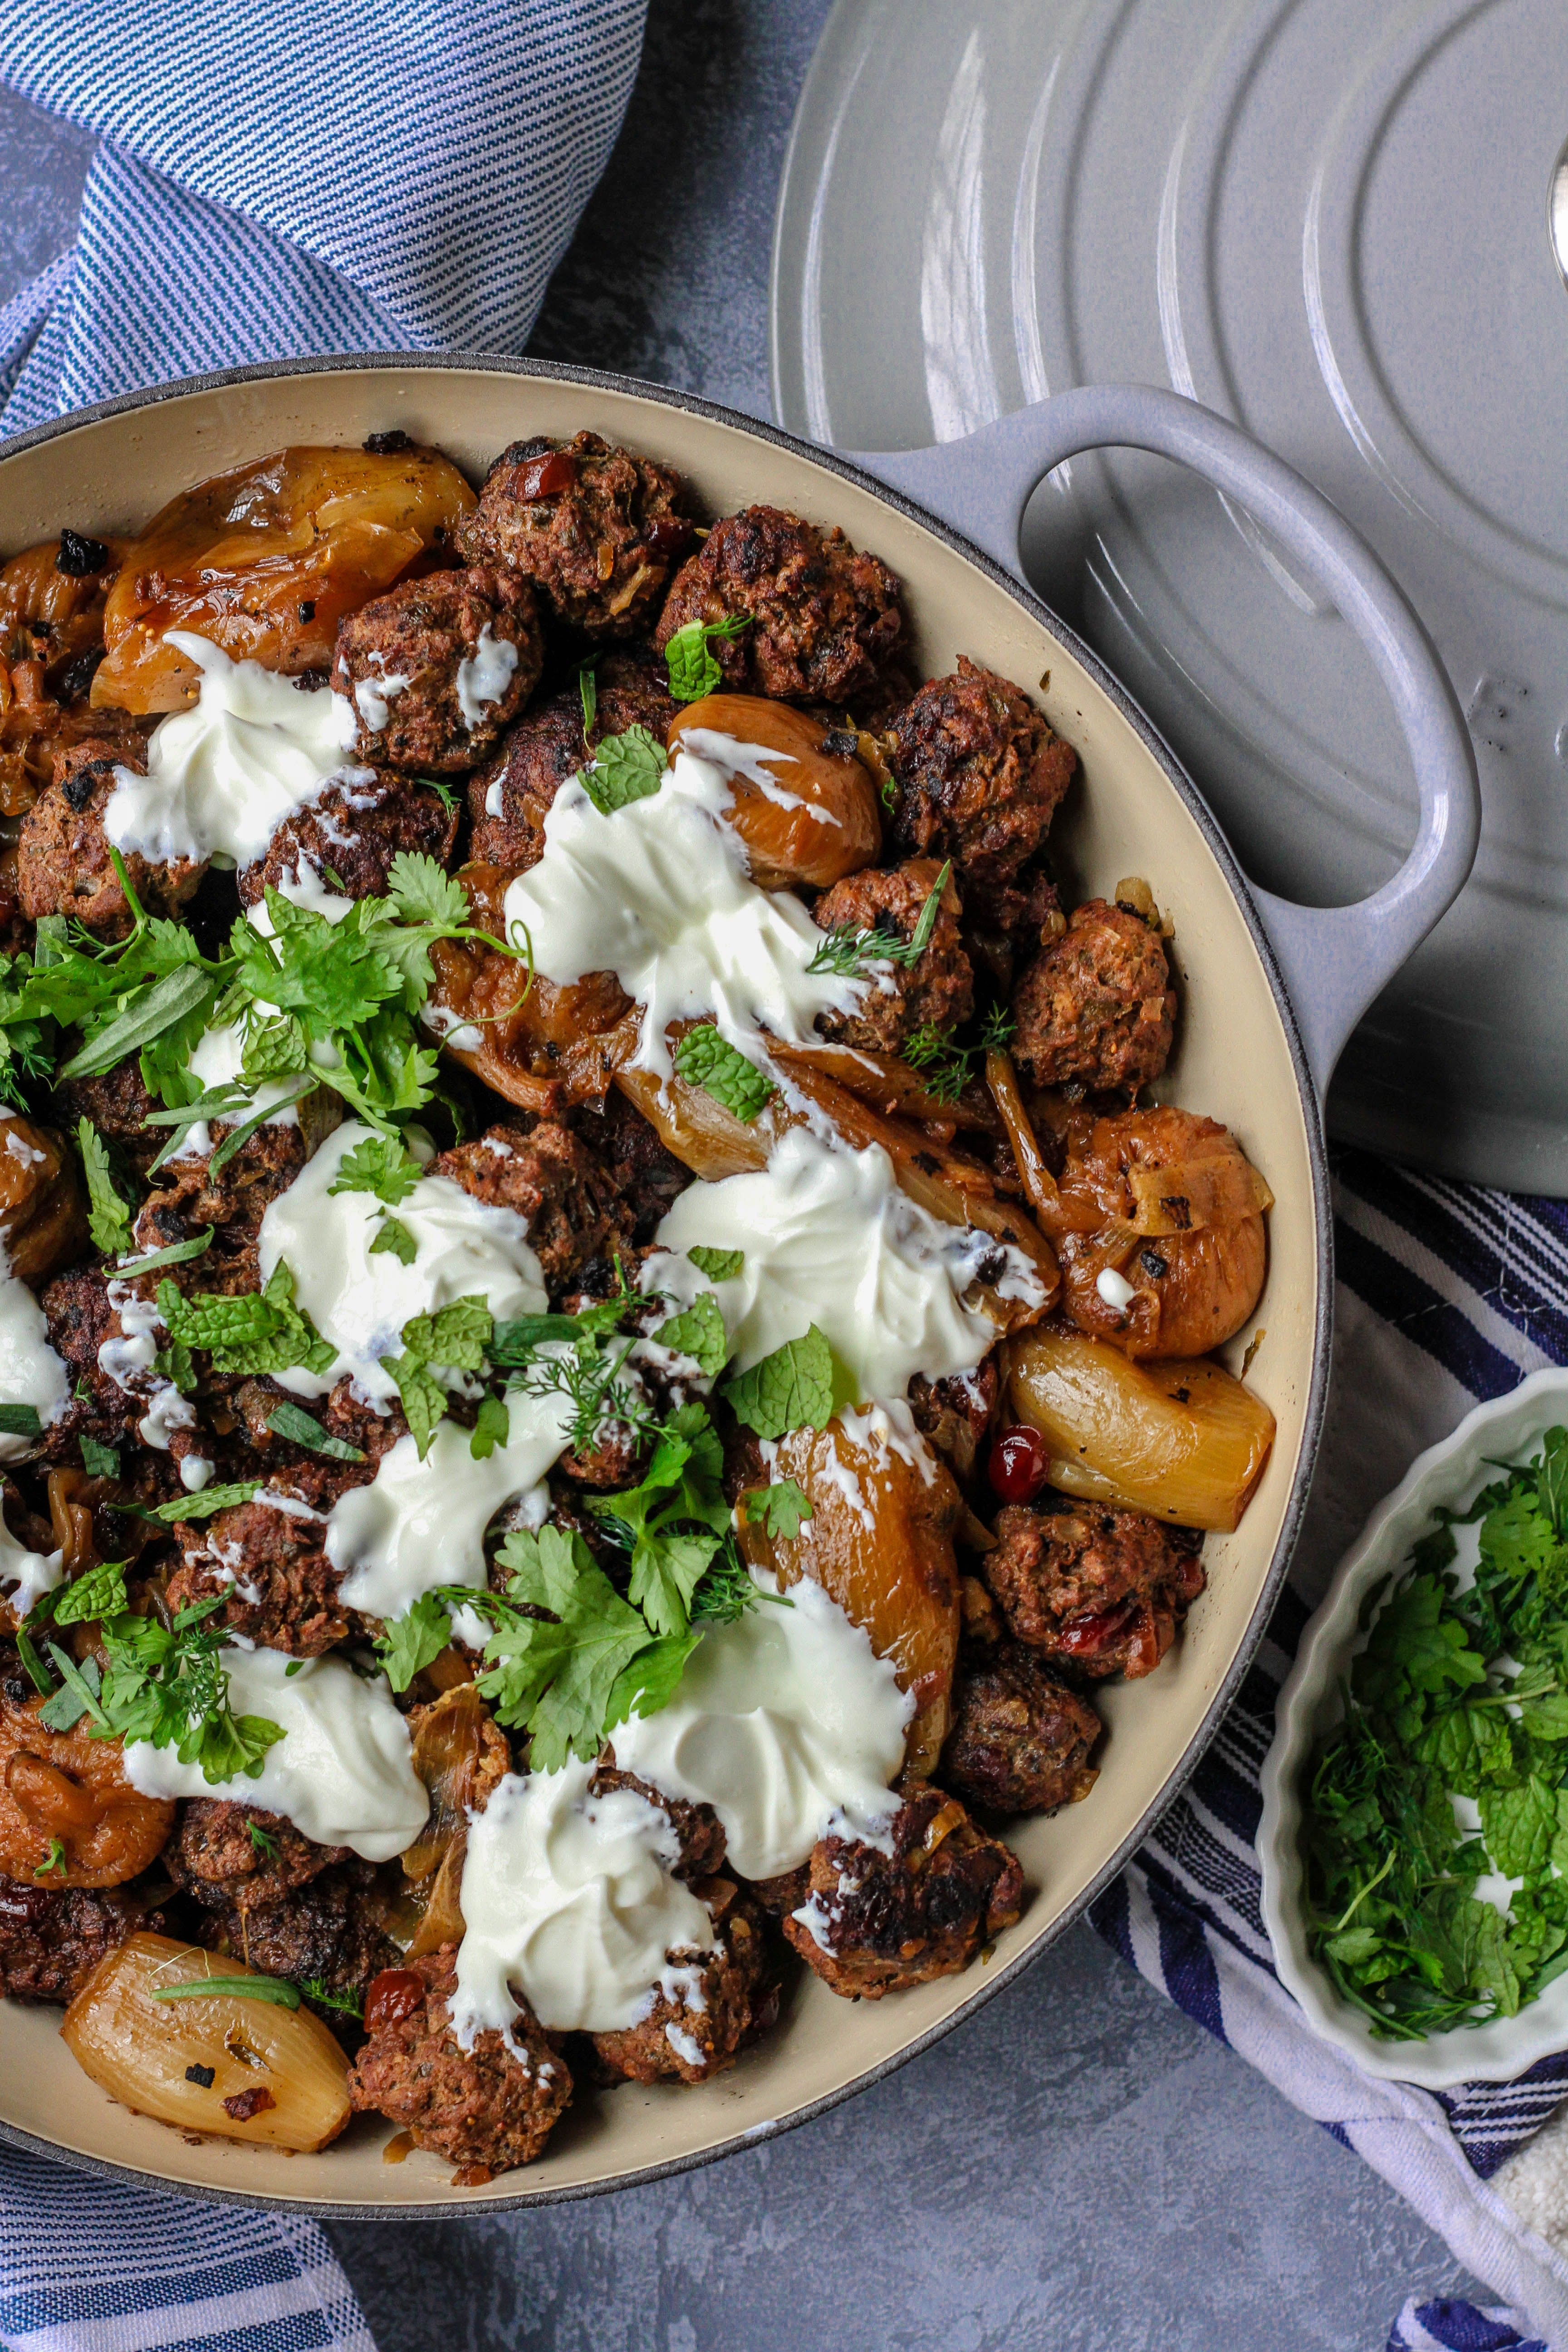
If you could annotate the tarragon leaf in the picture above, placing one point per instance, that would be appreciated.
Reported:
(302, 1428)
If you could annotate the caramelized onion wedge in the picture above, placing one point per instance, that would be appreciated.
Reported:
(149, 2054)
(880, 1539)
(43, 1218)
(890, 1085)
(1219, 1190)
(821, 821)
(267, 560)
(1039, 1184)
(1183, 1439)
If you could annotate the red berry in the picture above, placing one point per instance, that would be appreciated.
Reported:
(1020, 1461)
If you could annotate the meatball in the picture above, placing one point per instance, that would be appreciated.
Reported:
(572, 1207)
(350, 835)
(117, 1104)
(937, 992)
(437, 668)
(707, 2003)
(1099, 1589)
(63, 865)
(597, 529)
(1021, 1740)
(265, 1560)
(1096, 1007)
(980, 775)
(649, 1178)
(239, 1858)
(79, 1318)
(877, 1923)
(825, 620)
(492, 2106)
(326, 1932)
(342, 1415)
(189, 1199)
(52, 1939)
(698, 1829)
(510, 799)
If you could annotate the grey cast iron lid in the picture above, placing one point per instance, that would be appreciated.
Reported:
(1332, 221)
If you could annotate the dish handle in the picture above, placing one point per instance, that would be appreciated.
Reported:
(1335, 959)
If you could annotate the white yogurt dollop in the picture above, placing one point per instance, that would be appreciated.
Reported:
(342, 1772)
(659, 893)
(30, 1372)
(25, 1576)
(828, 1238)
(569, 1897)
(223, 775)
(360, 1302)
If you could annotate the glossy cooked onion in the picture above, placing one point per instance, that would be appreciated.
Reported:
(240, 2067)
(43, 1218)
(1183, 1439)
(459, 1755)
(823, 822)
(881, 1540)
(266, 560)
(68, 1786)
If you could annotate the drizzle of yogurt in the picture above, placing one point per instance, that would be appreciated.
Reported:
(30, 1371)
(486, 674)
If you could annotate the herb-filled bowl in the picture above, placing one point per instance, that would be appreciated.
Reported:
(1447, 1478)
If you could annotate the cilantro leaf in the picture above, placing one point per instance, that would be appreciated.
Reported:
(693, 672)
(424, 892)
(393, 1235)
(625, 768)
(381, 1165)
(553, 1675)
(107, 1219)
(704, 1059)
(651, 1680)
(790, 1389)
(409, 1643)
(674, 1518)
(698, 1333)
(718, 1265)
(492, 1427)
(781, 1510)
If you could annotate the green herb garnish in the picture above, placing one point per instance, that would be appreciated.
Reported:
(693, 672)
(790, 1389)
(704, 1059)
(624, 768)
(277, 1990)
(848, 951)
(302, 1428)
(108, 1218)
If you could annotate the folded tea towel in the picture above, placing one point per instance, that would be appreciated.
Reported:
(277, 180)
(1447, 1294)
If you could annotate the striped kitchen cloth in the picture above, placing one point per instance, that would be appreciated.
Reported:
(282, 178)
(1447, 1294)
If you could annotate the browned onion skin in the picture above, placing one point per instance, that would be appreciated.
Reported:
(836, 831)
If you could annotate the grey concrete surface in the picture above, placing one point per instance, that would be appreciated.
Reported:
(1078, 2169)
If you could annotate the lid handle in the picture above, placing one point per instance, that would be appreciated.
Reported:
(1335, 959)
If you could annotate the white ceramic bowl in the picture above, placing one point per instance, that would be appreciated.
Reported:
(1507, 1430)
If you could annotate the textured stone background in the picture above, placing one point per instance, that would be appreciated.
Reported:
(1078, 2167)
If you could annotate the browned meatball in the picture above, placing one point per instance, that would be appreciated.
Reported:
(649, 1178)
(698, 1829)
(572, 1210)
(1096, 1007)
(1099, 1589)
(117, 1104)
(437, 668)
(875, 1923)
(488, 2106)
(63, 865)
(510, 799)
(265, 1560)
(721, 2000)
(341, 1415)
(1021, 1740)
(326, 1932)
(597, 529)
(936, 993)
(238, 1857)
(824, 619)
(351, 836)
(980, 775)
(188, 1199)
(79, 1318)
(51, 1939)
(955, 1412)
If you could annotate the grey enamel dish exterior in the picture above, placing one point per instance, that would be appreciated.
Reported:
(1244, 1055)
(1332, 224)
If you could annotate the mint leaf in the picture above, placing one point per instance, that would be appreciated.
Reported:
(790, 1389)
(257, 1331)
(99, 1593)
(423, 1398)
(98, 1460)
(456, 1336)
(108, 1218)
(380, 1165)
(718, 1265)
(203, 1504)
(625, 768)
(492, 1426)
(704, 1059)
(693, 672)
(1519, 1825)
(21, 1421)
(781, 1510)
(392, 1234)
(698, 1333)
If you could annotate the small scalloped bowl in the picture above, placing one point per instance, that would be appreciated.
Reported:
(1506, 1430)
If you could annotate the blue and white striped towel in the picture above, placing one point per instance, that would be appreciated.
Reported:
(1447, 1294)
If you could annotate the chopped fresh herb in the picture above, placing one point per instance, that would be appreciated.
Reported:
(381, 1165)
(552, 1673)
(781, 1510)
(177, 1253)
(55, 1860)
(21, 1421)
(276, 1989)
(407, 1645)
(848, 951)
(423, 1398)
(292, 1422)
(704, 1059)
(346, 2003)
(718, 1265)
(693, 672)
(99, 1593)
(264, 1842)
(996, 1030)
(624, 768)
(108, 1218)
(673, 1519)
(697, 1332)
(492, 1427)
(456, 1336)
(393, 1235)
(1456, 1693)
(203, 1504)
(790, 1389)
(588, 688)
(98, 1460)
(255, 1331)
(444, 793)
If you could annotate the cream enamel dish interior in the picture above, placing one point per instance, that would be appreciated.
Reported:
(1236, 1060)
